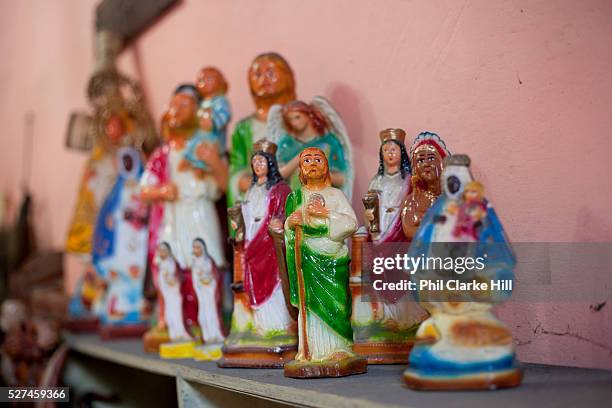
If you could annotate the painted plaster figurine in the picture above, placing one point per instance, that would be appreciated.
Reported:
(298, 125)
(426, 155)
(213, 115)
(180, 344)
(183, 200)
(207, 283)
(470, 213)
(271, 82)
(97, 181)
(100, 176)
(385, 324)
(319, 220)
(464, 346)
(263, 333)
(120, 251)
(118, 120)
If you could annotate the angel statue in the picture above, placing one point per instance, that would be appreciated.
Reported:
(298, 125)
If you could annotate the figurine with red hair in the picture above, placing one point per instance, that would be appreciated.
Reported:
(298, 125)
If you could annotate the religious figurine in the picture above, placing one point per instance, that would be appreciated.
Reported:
(118, 120)
(384, 324)
(180, 344)
(319, 220)
(271, 82)
(263, 333)
(214, 114)
(470, 213)
(207, 283)
(183, 202)
(426, 155)
(120, 251)
(298, 125)
(463, 345)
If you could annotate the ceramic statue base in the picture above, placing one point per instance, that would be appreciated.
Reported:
(208, 352)
(82, 324)
(153, 338)
(177, 349)
(384, 352)
(333, 368)
(123, 331)
(257, 357)
(485, 380)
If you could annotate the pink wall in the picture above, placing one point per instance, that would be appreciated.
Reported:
(524, 87)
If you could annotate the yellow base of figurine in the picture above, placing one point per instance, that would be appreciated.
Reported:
(183, 349)
(210, 352)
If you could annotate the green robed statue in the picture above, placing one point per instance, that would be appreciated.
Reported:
(319, 220)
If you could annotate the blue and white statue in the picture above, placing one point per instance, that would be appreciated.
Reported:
(120, 245)
(462, 344)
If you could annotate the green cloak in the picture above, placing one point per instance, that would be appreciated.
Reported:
(325, 276)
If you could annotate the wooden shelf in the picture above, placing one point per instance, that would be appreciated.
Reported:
(204, 384)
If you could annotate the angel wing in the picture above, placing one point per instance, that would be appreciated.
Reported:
(275, 123)
(339, 129)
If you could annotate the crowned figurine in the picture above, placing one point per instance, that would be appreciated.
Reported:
(214, 114)
(319, 220)
(463, 345)
(120, 251)
(298, 125)
(263, 333)
(385, 323)
(183, 202)
(271, 82)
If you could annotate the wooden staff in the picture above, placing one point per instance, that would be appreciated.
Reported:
(299, 235)
(301, 288)
(235, 215)
(277, 232)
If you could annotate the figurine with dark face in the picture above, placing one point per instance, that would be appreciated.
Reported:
(384, 323)
(426, 155)
(120, 250)
(464, 346)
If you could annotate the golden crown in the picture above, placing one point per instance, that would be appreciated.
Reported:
(392, 134)
(266, 146)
